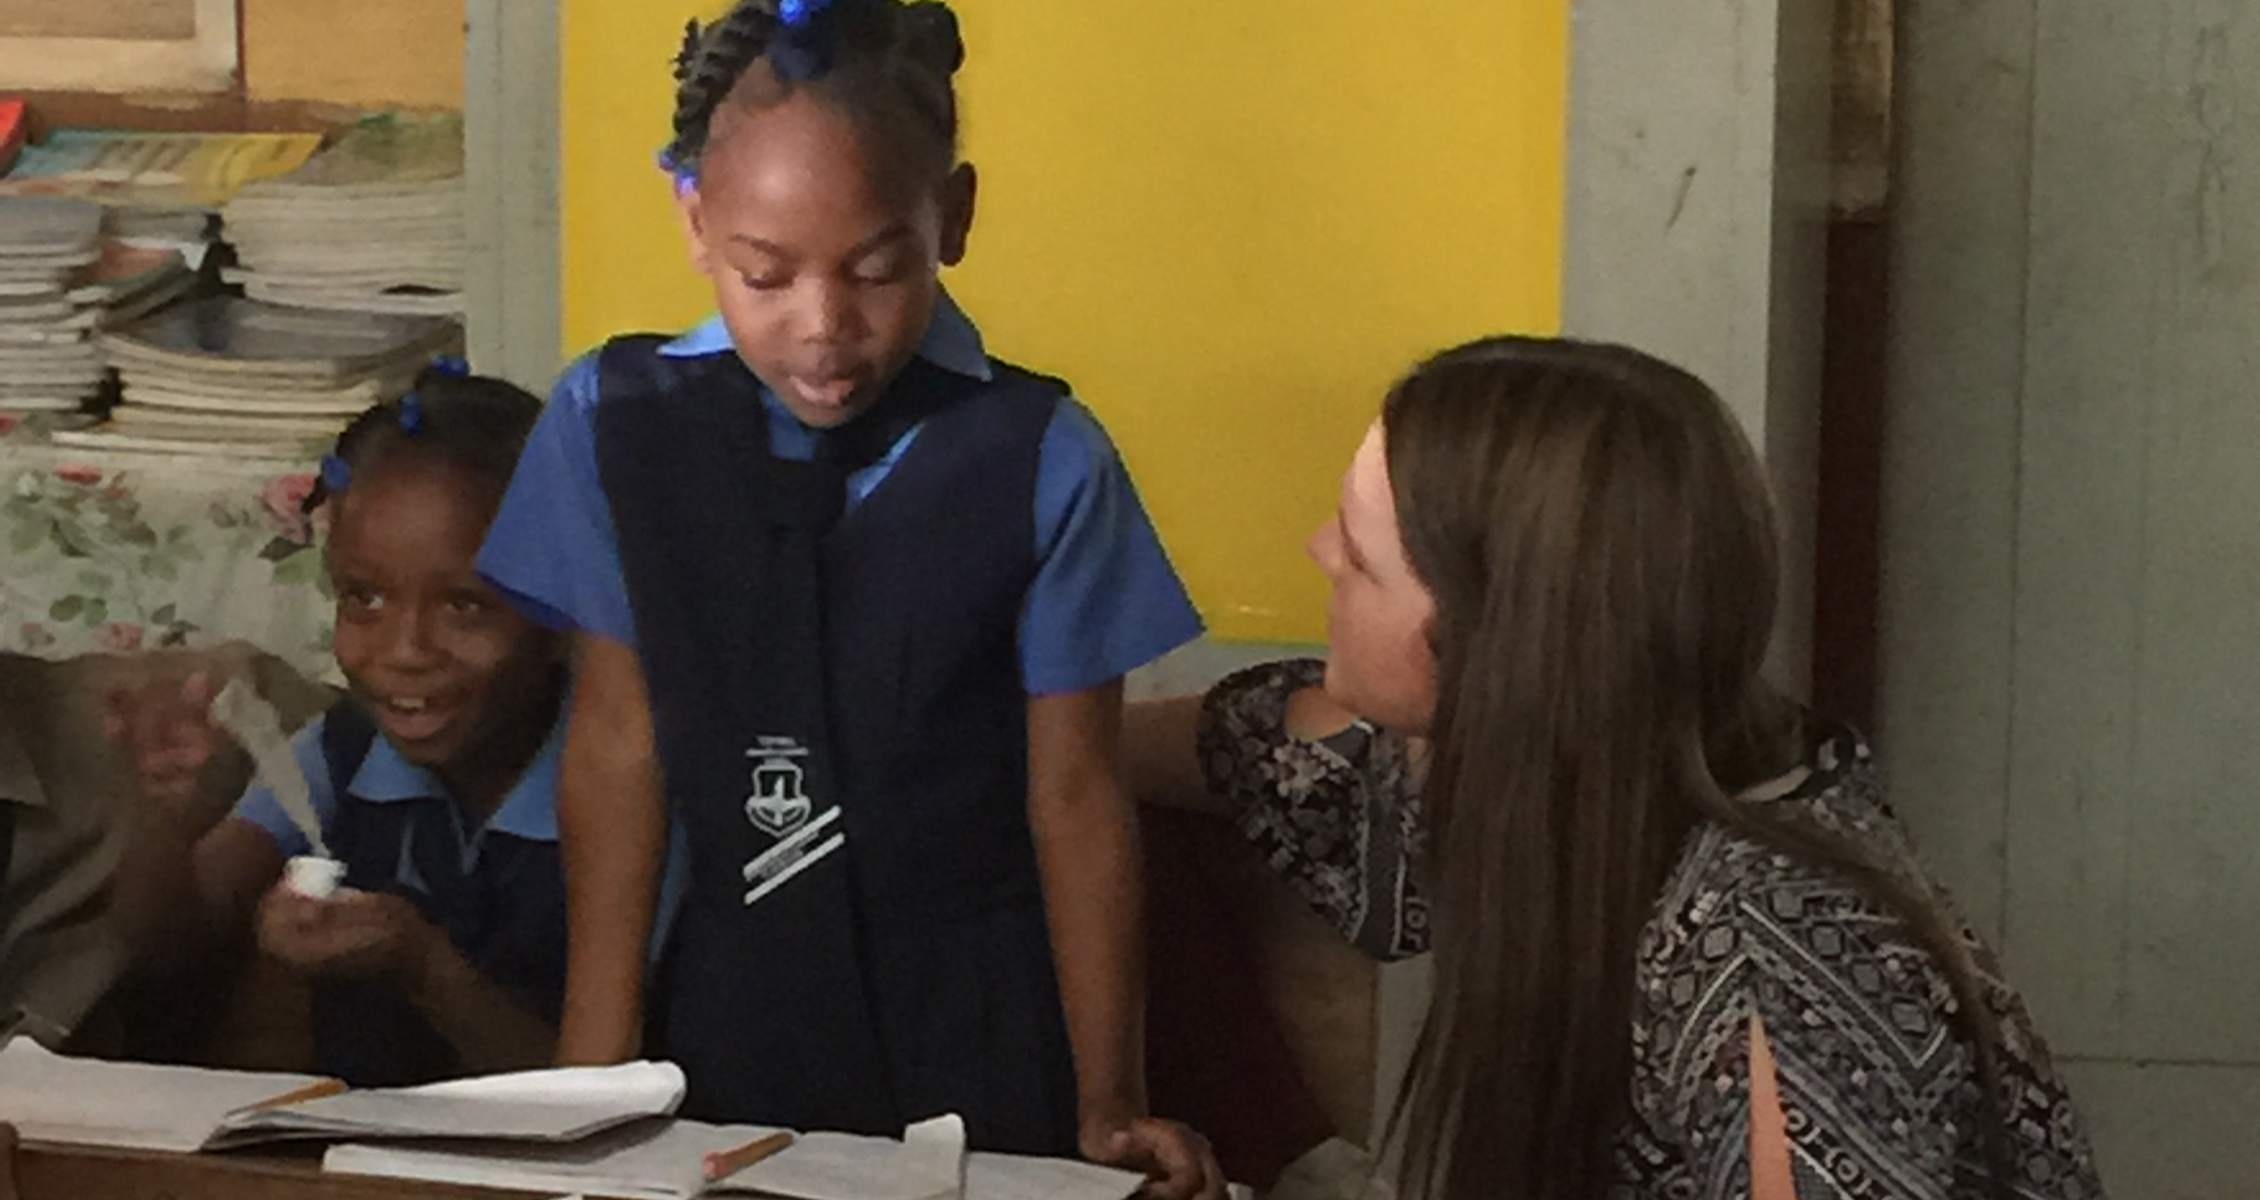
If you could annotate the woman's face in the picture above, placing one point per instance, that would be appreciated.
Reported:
(1380, 665)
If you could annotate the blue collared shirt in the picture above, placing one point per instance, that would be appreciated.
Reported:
(1105, 600)
(528, 810)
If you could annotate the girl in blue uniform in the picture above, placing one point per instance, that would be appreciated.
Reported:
(851, 602)
(434, 779)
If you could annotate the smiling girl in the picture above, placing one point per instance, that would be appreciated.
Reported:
(434, 779)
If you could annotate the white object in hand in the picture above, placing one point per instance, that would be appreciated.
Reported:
(314, 877)
(244, 713)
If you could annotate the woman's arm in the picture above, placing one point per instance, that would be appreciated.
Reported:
(612, 838)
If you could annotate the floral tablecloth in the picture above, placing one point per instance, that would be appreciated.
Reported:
(115, 552)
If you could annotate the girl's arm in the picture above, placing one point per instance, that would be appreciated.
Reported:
(381, 934)
(612, 838)
(1086, 834)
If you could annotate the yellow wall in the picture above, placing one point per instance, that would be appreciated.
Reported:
(376, 53)
(1231, 225)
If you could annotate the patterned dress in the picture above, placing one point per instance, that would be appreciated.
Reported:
(1880, 1093)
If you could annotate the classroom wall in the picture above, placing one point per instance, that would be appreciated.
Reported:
(2071, 643)
(372, 53)
(1230, 226)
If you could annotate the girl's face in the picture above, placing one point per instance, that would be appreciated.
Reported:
(1379, 663)
(441, 661)
(824, 269)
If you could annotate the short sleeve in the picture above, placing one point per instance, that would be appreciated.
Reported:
(552, 548)
(1338, 817)
(1105, 600)
(260, 808)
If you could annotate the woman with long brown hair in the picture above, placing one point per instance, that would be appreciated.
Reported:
(1681, 946)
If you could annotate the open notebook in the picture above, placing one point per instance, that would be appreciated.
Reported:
(55, 1098)
(662, 1160)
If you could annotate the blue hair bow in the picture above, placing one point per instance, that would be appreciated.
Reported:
(336, 476)
(411, 414)
(806, 42)
(451, 366)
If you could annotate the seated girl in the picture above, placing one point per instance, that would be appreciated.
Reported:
(434, 780)
(1681, 945)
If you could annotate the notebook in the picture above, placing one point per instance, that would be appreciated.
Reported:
(663, 1160)
(58, 1098)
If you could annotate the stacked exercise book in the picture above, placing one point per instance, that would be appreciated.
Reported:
(67, 270)
(47, 362)
(225, 375)
(373, 223)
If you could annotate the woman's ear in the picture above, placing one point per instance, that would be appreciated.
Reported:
(958, 192)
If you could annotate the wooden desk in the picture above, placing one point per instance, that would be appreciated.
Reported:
(46, 1172)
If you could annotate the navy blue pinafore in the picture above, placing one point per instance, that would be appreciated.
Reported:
(842, 731)
(500, 899)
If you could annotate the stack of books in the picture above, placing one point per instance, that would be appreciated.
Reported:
(47, 362)
(221, 374)
(373, 223)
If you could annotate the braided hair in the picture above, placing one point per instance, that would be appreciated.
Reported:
(885, 64)
(474, 423)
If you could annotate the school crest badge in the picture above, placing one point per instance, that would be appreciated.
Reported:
(779, 803)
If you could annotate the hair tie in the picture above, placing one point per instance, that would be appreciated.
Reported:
(335, 476)
(451, 366)
(806, 41)
(685, 174)
(411, 414)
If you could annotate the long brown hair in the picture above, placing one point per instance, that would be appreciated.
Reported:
(1600, 544)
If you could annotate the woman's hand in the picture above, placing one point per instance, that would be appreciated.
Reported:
(352, 935)
(1178, 1162)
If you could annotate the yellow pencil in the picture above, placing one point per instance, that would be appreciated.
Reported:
(312, 1091)
(721, 1164)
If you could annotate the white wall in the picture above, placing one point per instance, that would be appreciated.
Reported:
(2071, 651)
(1696, 229)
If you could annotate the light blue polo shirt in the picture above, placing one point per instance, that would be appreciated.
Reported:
(528, 810)
(1104, 602)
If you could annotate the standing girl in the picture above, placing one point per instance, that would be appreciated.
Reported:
(852, 602)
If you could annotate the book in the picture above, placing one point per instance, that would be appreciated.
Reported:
(375, 222)
(165, 170)
(59, 1098)
(663, 1160)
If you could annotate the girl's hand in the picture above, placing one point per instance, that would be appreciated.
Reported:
(1178, 1162)
(352, 935)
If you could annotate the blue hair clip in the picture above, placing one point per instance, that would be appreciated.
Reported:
(411, 414)
(336, 476)
(451, 366)
(805, 42)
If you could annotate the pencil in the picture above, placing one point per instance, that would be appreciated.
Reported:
(312, 1091)
(721, 1164)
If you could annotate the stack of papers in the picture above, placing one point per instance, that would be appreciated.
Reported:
(662, 1160)
(77, 1101)
(222, 374)
(374, 223)
(599, 1131)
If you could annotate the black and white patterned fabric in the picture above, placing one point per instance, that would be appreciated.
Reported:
(1880, 1092)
